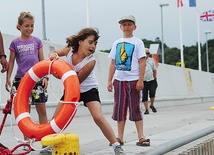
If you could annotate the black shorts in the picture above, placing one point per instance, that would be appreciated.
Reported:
(38, 94)
(88, 96)
(149, 89)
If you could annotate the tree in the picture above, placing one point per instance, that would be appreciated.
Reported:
(172, 55)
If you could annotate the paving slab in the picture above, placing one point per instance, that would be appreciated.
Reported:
(168, 125)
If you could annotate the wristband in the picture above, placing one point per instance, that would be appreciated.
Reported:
(3, 55)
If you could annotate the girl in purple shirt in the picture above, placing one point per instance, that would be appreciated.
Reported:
(27, 51)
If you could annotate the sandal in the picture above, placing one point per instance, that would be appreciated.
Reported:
(143, 142)
(118, 140)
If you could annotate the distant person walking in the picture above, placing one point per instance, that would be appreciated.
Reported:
(4, 62)
(27, 51)
(150, 83)
(127, 67)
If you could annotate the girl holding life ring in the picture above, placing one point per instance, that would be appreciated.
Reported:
(79, 52)
(27, 50)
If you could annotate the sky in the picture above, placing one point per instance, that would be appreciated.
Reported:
(66, 17)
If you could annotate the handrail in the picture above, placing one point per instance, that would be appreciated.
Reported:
(171, 145)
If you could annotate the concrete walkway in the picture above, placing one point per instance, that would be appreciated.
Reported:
(170, 127)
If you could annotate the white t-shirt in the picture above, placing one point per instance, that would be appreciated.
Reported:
(150, 67)
(126, 52)
(91, 81)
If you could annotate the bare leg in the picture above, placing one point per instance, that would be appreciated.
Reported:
(139, 127)
(146, 105)
(41, 110)
(58, 107)
(152, 105)
(96, 112)
(120, 128)
(152, 101)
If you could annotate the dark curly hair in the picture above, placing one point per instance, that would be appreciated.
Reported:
(73, 40)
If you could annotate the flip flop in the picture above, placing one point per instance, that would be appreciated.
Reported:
(119, 140)
(143, 142)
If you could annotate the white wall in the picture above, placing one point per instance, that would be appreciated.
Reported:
(175, 85)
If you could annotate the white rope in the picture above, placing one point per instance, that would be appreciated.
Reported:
(76, 103)
(11, 121)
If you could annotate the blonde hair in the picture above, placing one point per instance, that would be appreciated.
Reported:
(22, 17)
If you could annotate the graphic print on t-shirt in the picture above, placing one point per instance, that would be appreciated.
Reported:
(26, 49)
(124, 52)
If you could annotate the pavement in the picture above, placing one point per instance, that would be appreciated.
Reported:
(169, 129)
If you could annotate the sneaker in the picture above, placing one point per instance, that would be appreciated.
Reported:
(118, 150)
(47, 151)
(146, 112)
(153, 108)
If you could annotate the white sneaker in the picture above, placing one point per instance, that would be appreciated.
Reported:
(118, 150)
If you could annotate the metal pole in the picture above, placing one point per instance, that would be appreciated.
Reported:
(43, 20)
(207, 53)
(88, 13)
(199, 43)
(162, 44)
(162, 41)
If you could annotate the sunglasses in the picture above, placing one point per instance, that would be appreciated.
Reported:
(147, 53)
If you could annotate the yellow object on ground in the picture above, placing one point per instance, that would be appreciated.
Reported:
(212, 108)
(63, 143)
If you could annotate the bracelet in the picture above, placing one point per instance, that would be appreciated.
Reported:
(3, 55)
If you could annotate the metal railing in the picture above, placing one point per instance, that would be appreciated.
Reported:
(204, 148)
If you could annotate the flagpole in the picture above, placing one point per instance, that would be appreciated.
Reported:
(88, 13)
(199, 42)
(43, 20)
(181, 41)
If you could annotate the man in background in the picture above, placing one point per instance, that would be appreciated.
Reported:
(150, 83)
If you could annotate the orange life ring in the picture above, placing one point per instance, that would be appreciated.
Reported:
(71, 94)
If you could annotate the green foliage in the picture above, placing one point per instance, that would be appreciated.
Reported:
(105, 51)
(172, 55)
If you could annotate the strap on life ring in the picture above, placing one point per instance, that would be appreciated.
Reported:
(67, 112)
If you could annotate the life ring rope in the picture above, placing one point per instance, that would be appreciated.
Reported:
(64, 76)
(11, 124)
(67, 74)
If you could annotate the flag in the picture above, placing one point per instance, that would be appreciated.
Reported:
(207, 16)
(188, 3)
